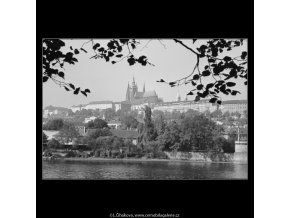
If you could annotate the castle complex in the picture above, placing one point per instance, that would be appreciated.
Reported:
(135, 97)
(136, 100)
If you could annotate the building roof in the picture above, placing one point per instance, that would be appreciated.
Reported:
(138, 101)
(94, 102)
(50, 107)
(242, 130)
(235, 102)
(125, 102)
(80, 105)
(183, 102)
(100, 102)
(124, 133)
(138, 95)
(149, 94)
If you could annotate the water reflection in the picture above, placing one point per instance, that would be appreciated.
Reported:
(61, 169)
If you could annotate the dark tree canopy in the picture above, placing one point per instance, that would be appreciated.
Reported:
(54, 124)
(223, 69)
(67, 133)
(97, 124)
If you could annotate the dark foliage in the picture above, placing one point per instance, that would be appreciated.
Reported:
(221, 69)
(54, 124)
(97, 124)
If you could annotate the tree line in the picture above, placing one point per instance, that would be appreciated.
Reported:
(192, 131)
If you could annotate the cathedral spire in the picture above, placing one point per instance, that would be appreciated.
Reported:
(178, 98)
(128, 93)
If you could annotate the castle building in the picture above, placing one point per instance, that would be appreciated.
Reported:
(234, 106)
(183, 106)
(138, 99)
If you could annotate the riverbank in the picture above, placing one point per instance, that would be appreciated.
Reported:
(140, 160)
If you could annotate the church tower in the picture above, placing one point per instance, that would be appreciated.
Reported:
(134, 89)
(144, 88)
(178, 98)
(128, 93)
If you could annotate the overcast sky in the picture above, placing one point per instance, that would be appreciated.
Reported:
(109, 82)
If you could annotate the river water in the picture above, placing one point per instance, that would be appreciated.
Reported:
(118, 169)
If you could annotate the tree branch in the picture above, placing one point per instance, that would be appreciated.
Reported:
(161, 43)
(145, 46)
(180, 42)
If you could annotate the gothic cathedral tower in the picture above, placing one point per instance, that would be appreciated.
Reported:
(134, 89)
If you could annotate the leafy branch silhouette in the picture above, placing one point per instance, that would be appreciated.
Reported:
(216, 68)
(116, 50)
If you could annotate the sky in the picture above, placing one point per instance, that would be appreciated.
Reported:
(108, 81)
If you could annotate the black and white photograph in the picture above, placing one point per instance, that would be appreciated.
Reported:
(145, 109)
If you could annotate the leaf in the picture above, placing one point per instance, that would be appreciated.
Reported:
(203, 47)
(230, 84)
(205, 73)
(211, 60)
(195, 77)
(133, 46)
(66, 88)
(119, 55)
(84, 50)
(161, 81)
(110, 54)
(61, 74)
(212, 100)
(197, 98)
(107, 58)
(233, 72)
(223, 88)
(113, 62)
(96, 46)
(244, 55)
(193, 83)
(206, 67)
(199, 87)
(72, 86)
(44, 79)
(172, 83)
(119, 48)
(219, 102)
(210, 85)
(76, 51)
(124, 40)
(131, 61)
(77, 91)
(84, 93)
(245, 83)
(190, 93)
(234, 92)
(227, 58)
(71, 48)
(87, 90)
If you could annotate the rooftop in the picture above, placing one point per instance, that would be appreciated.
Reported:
(50, 107)
(235, 102)
(149, 94)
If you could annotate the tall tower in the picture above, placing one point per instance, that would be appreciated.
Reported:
(144, 88)
(134, 88)
(128, 93)
(178, 97)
